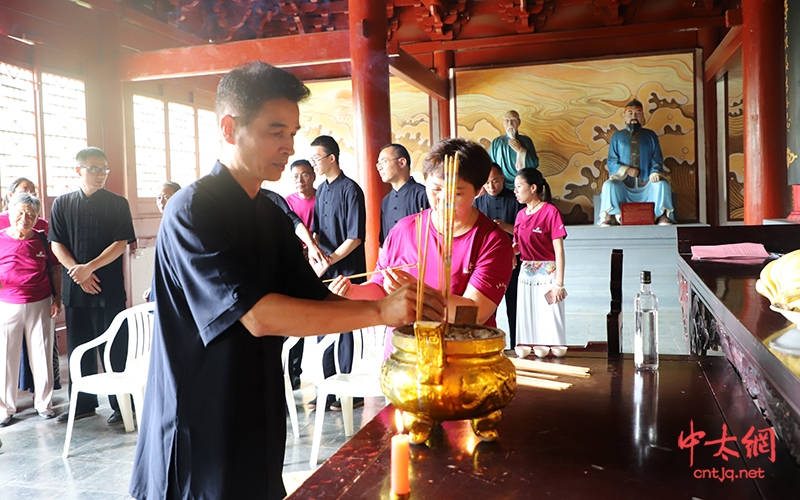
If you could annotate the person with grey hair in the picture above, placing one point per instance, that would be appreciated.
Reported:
(30, 297)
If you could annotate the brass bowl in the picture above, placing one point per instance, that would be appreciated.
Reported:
(448, 372)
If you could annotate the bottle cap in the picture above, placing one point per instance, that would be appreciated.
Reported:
(645, 277)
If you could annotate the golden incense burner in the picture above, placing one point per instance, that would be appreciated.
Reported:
(440, 371)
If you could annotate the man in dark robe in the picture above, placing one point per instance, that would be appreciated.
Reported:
(230, 282)
(407, 195)
(501, 205)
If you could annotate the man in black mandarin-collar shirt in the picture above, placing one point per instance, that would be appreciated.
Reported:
(407, 196)
(500, 205)
(90, 228)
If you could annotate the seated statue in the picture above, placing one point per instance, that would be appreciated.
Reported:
(636, 168)
(513, 151)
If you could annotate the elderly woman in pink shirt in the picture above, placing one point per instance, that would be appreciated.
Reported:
(30, 297)
(482, 254)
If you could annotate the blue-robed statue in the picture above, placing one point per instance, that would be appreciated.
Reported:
(636, 168)
(513, 151)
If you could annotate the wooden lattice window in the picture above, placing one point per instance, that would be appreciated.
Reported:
(64, 125)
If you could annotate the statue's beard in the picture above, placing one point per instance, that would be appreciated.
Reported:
(635, 126)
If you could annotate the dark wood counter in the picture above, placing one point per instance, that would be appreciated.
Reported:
(612, 435)
(722, 309)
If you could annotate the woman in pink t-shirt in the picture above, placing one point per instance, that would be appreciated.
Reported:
(30, 297)
(539, 239)
(482, 256)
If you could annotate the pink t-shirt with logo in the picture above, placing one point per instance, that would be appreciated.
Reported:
(23, 269)
(302, 207)
(482, 257)
(535, 233)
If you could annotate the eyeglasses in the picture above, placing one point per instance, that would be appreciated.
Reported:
(302, 175)
(317, 159)
(385, 161)
(96, 170)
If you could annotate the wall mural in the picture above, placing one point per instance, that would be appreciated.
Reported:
(571, 110)
(329, 111)
(734, 169)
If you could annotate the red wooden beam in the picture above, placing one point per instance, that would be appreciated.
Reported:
(727, 53)
(404, 66)
(616, 32)
(287, 51)
(578, 50)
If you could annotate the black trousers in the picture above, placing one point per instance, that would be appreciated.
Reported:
(345, 356)
(85, 324)
(511, 304)
(296, 359)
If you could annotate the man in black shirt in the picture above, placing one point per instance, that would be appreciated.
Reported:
(90, 229)
(407, 196)
(340, 226)
(501, 205)
(230, 282)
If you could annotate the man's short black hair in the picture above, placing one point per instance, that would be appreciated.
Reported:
(88, 153)
(329, 144)
(244, 90)
(400, 151)
(301, 163)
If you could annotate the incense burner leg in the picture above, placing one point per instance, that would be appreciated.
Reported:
(486, 427)
(419, 426)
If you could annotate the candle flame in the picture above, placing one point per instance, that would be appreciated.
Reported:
(398, 420)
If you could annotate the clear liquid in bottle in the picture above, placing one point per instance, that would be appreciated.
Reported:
(645, 339)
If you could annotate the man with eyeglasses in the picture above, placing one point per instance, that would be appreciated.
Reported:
(513, 151)
(90, 229)
(340, 226)
(407, 196)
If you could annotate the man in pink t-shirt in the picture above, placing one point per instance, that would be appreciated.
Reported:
(302, 201)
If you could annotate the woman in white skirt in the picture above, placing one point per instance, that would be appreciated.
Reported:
(539, 239)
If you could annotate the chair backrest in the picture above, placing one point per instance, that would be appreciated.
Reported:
(368, 346)
(140, 319)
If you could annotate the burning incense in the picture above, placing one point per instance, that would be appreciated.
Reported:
(447, 226)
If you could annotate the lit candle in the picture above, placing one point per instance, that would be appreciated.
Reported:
(400, 458)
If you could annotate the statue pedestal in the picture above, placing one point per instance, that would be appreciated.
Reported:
(637, 214)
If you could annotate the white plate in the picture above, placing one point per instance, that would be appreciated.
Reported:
(788, 343)
(792, 316)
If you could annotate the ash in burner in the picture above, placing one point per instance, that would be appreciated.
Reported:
(465, 333)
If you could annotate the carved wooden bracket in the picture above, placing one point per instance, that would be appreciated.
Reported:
(703, 7)
(441, 19)
(614, 12)
(525, 16)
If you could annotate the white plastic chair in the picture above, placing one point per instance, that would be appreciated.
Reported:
(363, 380)
(131, 381)
(287, 384)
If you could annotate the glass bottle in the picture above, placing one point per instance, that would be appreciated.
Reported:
(645, 336)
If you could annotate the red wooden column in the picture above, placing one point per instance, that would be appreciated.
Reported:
(708, 39)
(765, 181)
(372, 126)
(442, 61)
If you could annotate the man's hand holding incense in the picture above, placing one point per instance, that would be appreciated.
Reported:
(341, 286)
(399, 308)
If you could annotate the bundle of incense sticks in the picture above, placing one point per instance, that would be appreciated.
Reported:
(542, 383)
(447, 222)
(422, 259)
(525, 365)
